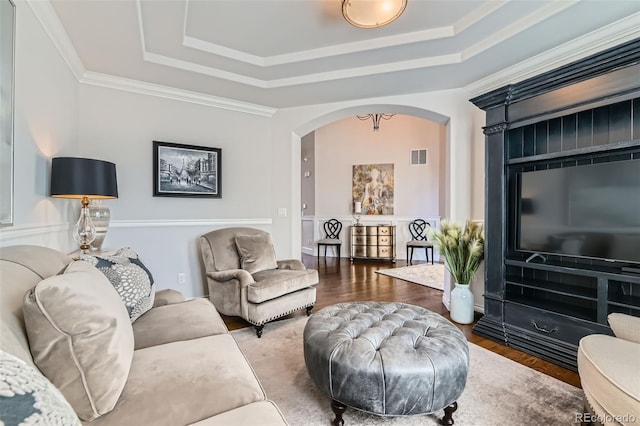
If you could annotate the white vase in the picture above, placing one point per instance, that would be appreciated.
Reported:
(100, 216)
(461, 304)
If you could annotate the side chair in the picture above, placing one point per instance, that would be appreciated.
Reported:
(332, 229)
(418, 229)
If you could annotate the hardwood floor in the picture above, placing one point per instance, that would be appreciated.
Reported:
(343, 281)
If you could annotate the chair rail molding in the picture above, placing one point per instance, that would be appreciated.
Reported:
(154, 223)
(56, 236)
(22, 231)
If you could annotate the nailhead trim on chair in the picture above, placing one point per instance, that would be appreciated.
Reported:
(250, 321)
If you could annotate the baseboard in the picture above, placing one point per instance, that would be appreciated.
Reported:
(446, 300)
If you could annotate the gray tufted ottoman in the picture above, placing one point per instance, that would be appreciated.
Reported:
(389, 359)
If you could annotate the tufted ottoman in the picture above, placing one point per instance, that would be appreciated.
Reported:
(389, 359)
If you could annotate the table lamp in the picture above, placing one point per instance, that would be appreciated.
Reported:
(83, 178)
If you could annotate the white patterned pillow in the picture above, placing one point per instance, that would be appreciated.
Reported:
(27, 397)
(129, 276)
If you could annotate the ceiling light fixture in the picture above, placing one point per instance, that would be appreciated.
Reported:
(372, 13)
(376, 119)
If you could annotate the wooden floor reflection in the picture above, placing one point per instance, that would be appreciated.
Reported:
(343, 281)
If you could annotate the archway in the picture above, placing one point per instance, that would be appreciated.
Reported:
(324, 119)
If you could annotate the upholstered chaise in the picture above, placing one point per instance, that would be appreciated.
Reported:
(246, 280)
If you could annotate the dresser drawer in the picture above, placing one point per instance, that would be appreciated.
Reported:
(358, 230)
(372, 251)
(359, 251)
(385, 230)
(372, 240)
(359, 240)
(385, 251)
(384, 240)
(549, 324)
(372, 230)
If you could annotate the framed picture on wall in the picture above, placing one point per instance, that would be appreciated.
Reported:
(186, 170)
(373, 188)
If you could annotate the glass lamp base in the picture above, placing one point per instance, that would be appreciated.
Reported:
(84, 232)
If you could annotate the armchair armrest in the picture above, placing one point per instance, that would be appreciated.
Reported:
(294, 264)
(241, 275)
(167, 297)
(625, 327)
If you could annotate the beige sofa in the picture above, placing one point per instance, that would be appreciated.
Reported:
(609, 370)
(186, 368)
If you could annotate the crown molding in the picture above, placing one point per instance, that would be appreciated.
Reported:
(607, 37)
(321, 52)
(136, 86)
(180, 64)
(448, 31)
(53, 27)
(482, 11)
(320, 77)
(596, 41)
(469, 20)
(516, 27)
(46, 15)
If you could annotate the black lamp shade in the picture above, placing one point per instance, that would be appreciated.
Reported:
(73, 177)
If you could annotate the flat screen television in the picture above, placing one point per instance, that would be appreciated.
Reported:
(590, 211)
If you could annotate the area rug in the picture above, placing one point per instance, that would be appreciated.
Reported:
(427, 275)
(498, 392)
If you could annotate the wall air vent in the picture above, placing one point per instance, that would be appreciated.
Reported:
(419, 157)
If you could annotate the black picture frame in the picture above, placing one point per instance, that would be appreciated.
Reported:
(181, 170)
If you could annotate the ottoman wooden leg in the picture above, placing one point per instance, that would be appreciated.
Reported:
(338, 410)
(447, 420)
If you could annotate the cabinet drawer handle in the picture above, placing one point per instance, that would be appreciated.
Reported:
(543, 328)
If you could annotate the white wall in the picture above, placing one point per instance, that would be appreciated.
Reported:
(350, 141)
(46, 113)
(121, 126)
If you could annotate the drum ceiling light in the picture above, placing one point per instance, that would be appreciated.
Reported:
(372, 13)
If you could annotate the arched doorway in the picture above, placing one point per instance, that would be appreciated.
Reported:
(456, 188)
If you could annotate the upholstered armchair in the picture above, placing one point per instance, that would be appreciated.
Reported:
(609, 370)
(246, 280)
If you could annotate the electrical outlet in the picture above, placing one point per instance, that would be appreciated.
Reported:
(181, 278)
(282, 211)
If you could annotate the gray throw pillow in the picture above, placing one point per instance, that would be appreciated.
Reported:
(80, 337)
(128, 275)
(28, 398)
(256, 252)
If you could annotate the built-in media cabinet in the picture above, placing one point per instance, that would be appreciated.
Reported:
(545, 290)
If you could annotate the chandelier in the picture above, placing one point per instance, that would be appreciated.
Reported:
(372, 13)
(376, 119)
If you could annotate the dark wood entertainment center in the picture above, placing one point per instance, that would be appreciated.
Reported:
(584, 113)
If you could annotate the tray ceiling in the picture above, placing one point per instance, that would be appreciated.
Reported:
(284, 53)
